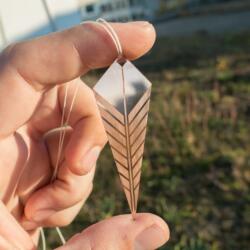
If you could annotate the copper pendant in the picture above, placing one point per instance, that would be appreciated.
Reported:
(123, 96)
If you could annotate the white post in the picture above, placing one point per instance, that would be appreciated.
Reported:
(50, 18)
(2, 34)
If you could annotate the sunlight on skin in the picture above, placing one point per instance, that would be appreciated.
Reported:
(30, 107)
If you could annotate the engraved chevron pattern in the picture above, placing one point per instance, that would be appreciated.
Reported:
(126, 134)
(123, 96)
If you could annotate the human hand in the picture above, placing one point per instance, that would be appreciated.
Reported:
(12, 235)
(33, 75)
(147, 232)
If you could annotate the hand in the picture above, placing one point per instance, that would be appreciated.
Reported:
(147, 232)
(12, 235)
(33, 75)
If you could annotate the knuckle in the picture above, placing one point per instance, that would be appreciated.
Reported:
(71, 190)
(76, 193)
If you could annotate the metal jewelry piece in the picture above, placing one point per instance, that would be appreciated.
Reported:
(123, 96)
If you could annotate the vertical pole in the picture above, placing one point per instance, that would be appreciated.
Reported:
(2, 33)
(50, 18)
(129, 7)
(79, 7)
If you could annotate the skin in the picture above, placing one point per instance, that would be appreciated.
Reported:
(33, 76)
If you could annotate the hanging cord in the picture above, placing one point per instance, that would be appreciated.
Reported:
(64, 122)
(110, 30)
(63, 126)
(60, 143)
(59, 232)
(43, 239)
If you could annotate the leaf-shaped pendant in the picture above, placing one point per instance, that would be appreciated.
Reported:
(123, 95)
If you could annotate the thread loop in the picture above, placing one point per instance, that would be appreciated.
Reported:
(110, 30)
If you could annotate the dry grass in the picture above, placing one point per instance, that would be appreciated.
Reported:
(196, 171)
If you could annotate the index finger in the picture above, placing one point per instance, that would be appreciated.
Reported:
(63, 56)
(28, 68)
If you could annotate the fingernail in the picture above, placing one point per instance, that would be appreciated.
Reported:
(89, 159)
(142, 23)
(29, 225)
(151, 238)
(42, 215)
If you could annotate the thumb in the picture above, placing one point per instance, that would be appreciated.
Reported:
(148, 231)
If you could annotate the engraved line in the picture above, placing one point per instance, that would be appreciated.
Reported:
(137, 173)
(113, 126)
(141, 132)
(117, 151)
(138, 124)
(137, 149)
(137, 161)
(104, 109)
(121, 164)
(104, 103)
(113, 110)
(126, 188)
(138, 118)
(139, 157)
(145, 96)
(105, 121)
(131, 182)
(109, 134)
(126, 178)
(146, 102)
(137, 185)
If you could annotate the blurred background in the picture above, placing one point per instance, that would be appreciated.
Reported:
(196, 171)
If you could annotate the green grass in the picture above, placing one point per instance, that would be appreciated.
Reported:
(196, 171)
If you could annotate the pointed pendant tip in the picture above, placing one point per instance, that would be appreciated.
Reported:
(133, 215)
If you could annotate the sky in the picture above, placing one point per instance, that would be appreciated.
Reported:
(25, 18)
